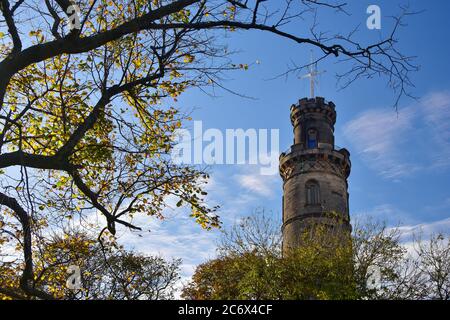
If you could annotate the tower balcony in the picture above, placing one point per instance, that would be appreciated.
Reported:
(298, 153)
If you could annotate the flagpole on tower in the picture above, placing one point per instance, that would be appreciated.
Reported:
(312, 74)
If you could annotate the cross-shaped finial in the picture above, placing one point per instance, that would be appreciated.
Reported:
(312, 74)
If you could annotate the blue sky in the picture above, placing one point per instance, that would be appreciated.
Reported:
(400, 161)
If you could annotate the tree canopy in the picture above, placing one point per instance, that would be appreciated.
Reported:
(104, 271)
(373, 264)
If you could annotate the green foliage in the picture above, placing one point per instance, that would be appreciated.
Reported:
(328, 264)
(251, 266)
(107, 271)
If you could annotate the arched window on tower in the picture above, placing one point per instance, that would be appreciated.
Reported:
(312, 192)
(312, 138)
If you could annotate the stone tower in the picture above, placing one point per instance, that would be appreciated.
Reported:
(314, 172)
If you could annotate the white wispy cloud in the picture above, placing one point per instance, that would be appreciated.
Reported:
(410, 228)
(376, 135)
(411, 235)
(399, 144)
(387, 213)
(436, 111)
(177, 237)
(425, 229)
(261, 185)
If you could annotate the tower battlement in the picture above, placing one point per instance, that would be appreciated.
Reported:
(313, 107)
(313, 102)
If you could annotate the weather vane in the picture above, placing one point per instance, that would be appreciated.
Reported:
(312, 74)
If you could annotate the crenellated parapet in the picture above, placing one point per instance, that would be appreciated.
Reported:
(309, 107)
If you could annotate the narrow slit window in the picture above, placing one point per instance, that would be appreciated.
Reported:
(312, 193)
(312, 139)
